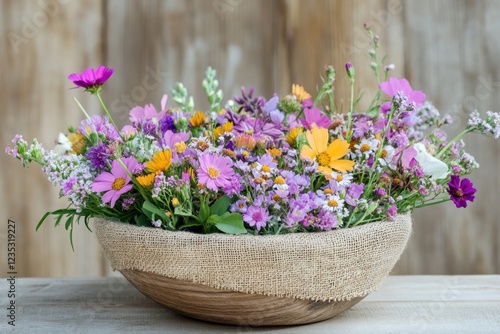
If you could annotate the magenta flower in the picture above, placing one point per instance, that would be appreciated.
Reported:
(395, 85)
(115, 183)
(256, 216)
(91, 79)
(215, 171)
(461, 191)
(315, 117)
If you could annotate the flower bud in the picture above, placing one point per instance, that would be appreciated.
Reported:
(350, 70)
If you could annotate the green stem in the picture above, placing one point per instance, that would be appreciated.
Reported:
(457, 138)
(109, 115)
(81, 107)
(432, 203)
(351, 111)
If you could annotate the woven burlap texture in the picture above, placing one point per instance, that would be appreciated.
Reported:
(328, 266)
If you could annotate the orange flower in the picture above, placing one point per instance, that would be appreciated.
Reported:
(300, 93)
(146, 180)
(77, 142)
(220, 130)
(327, 156)
(160, 162)
(292, 136)
(197, 119)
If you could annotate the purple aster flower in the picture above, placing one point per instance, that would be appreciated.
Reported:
(271, 105)
(215, 171)
(256, 216)
(91, 79)
(98, 156)
(99, 125)
(461, 191)
(395, 85)
(239, 206)
(115, 183)
(315, 117)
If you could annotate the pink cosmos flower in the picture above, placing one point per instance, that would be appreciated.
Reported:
(91, 79)
(314, 117)
(215, 171)
(115, 183)
(395, 85)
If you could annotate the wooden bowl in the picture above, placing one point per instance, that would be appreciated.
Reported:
(234, 308)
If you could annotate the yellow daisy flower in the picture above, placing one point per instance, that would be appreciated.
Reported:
(300, 93)
(160, 162)
(292, 136)
(327, 156)
(197, 119)
(146, 180)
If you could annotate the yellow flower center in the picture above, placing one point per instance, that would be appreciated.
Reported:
(364, 148)
(279, 180)
(180, 147)
(212, 172)
(328, 191)
(384, 154)
(266, 168)
(323, 159)
(118, 183)
(333, 203)
(339, 177)
(241, 205)
(276, 198)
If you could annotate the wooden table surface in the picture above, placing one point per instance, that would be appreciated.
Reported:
(403, 304)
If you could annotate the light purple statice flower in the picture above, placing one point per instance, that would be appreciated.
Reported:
(91, 79)
(256, 216)
(116, 183)
(461, 191)
(215, 171)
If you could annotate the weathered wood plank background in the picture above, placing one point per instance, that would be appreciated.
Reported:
(448, 48)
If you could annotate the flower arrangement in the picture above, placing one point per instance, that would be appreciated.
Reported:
(260, 166)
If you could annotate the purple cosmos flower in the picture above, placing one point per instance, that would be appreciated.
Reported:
(461, 191)
(115, 183)
(91, 79)
(256, 216)
(215, 171)
(395, 85)
(98, 156)
(315, 117)
(250, 103)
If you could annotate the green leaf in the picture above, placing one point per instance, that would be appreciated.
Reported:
(149, 208)
(220, 206)
(71, 238)
(181, 212)
(191, 223)
(42, 220)
(230, 223)
(69, 222)
(142, 220)
(204, 211)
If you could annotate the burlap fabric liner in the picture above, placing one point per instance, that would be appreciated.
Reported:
(328, 266)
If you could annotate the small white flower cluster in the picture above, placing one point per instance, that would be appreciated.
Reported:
(491, 125)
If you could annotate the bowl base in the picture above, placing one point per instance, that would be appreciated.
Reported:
(229, 307)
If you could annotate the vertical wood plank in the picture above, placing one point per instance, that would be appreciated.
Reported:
(179, 40)
(42, 45)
